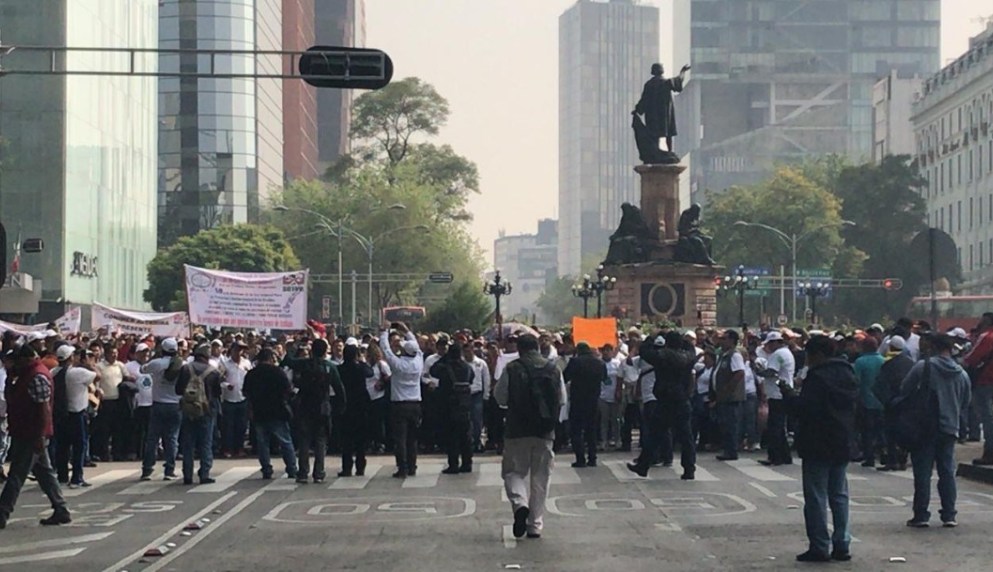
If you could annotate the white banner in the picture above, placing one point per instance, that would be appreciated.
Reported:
(71, 323)
(21, 329)
(166, 325)
(257, 300)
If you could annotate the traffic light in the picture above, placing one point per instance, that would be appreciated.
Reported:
(892, 284)
(33, 245)
(346, 68)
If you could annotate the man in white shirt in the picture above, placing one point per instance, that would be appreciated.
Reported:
(113, 421)
(780, 360)
(729, 386)
(405, 397)
(480, 388)
(143, 398)
(628, 374)
(234, 407)
(79, 378)
(610, 426)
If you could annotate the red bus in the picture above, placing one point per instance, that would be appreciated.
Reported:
(953, 311)
(406, 314)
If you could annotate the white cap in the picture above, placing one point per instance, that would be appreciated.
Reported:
(64, 352)
(51, 334)
(773, 337)
(170, 345)
(410, 347)
(659, 342)
(690, 334)
(35, 336)
(352, 342)
(877, 326)
(958, 333)
(898, 343)
(142, 347)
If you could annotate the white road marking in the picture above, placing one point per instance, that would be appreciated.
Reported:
(700, 474)
(503, 495)
(489, 475)
(756, 471)
(352, 483)
(39, 557)
(131, 558)
(54, 543)
(508, 536)
(763, 490)
(226, 480)
(148, 487)
(668, 527)
(908, 474)
(427, 477)
(99, 481)
(565, 476)
(621, 472)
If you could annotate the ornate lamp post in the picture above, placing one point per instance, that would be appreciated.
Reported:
(740, 284)
(584, 291)
(594, 288)
(813, 291)
(498, 288)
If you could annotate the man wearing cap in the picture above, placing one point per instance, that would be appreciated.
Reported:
(405, 396)
(142, 399)
(234, 408)
(896, 367)
(80, 378)
(979, 363)
(29, 408)
(584, 376)
(198, 432)
(780, 360)
(165, 417)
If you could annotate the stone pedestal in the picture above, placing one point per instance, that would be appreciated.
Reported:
(682, 293)
(660, 199)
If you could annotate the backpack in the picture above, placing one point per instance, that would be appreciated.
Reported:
(543, 399)
(917, 413)
(194, 401)
(461, 398)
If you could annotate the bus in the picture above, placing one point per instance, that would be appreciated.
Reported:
(953, 311)
(406, 314)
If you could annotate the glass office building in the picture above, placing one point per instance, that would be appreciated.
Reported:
(80, 158)
(606, 50)
(781, 80)
(220, 140)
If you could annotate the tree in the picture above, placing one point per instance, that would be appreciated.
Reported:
(239, 248)
(466, 307)
(558, 305)
(391, 117)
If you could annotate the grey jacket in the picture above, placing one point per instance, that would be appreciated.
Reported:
(950, 384)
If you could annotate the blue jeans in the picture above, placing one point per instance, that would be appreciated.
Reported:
(825, 484)
(476, 414)
(940, 452)
(234, 423)
(280, 430)
(749, 419)
(198, 438)
(729, 420)
(163, 423)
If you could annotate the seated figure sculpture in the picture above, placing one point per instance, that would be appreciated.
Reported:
(633, 240)
(694, 246)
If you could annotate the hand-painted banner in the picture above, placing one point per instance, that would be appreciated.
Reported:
(595, 332)
(68, 324)
(169, 324)
(259, 300)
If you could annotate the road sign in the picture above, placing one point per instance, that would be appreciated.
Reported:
(346, 68)
(814, 273)
(441, 277)
(758, 271)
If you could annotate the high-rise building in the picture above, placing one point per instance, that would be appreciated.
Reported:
(952, 122)
(299, 98)
(527, 261)
(782, 80)
(892, 100)
(220, 140)
(338, 23)
(80, 158)
(606, 50)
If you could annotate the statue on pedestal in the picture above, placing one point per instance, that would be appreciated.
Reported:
(694, 246)
(660, 117)
(633, 240)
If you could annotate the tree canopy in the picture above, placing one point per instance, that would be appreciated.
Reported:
(465, 307)
(237, 248)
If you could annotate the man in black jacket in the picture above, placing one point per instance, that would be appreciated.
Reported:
(354, 421)
(268, 391)
(898, 364)
(825, 434)
(455, 377)
(584, 374)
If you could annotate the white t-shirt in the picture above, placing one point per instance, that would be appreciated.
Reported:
(481, 376)
(144, 383)
(426, 374)
(750, 388)
(703, 382)
(781, 361)
(379, 370)
(608, 387)
(647, 381)
(78, 380)
(502, 361)
(111, 377)
(234, 374)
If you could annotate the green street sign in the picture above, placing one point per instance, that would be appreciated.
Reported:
(814, 273)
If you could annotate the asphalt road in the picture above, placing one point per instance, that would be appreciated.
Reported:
(736, 516)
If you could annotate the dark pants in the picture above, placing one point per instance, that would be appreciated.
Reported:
(23, 460)
(70, 446)
(824, 485)
(729, 419)
(141, 417)
(779, 447)
(669, 418)
(310, 432)
(378, 411)
(494, 415)
(703, 423)
(871, 433)
(583, 425)
(354, 440)
(265, 432)
(477, 420)
(198, 440)
(234, 423)
(938, 453)
(164, 424)
(895, 455)
(459, 428)
(632, 419)
(749, 419)
(405, 418)
(112, 425)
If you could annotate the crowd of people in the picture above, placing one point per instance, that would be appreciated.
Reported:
(830, 397)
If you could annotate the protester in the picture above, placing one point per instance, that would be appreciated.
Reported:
(405, 397)
(584, 376)
(782, 362)
(870, 411)
(198, 386)
(455, 378)
(355, 437)
(111, 439)
(979, 363)
(269, 391)
(319, 394)
(379, 406)
(891, 375)
(481, 383)
(234, 408)
(609, 404)
(79, 380)
(729, 393)
(166, 418)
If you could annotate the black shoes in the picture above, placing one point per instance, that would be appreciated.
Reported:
(841, 556)
(344, 473)
(400, 474)
(521, 521)
(688, 476)
(812, 556)
(639, 470)
(146, 476)
(534, 535)
(207, 481)
(450, 471)
(579, 465)
(727, 458)
(465, 469)
(57, 518)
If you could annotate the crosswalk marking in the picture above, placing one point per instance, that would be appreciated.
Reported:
(101, 480)
(621, 472)
(25, 547)
(56, 555)
(756, 471)
(489, 475)
(427, 477)
(700, 474)
(226, 480)
(355, 483)
(565, 476)
(147, 487)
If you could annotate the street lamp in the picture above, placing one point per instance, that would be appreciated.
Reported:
(584, 290)
(591, 288)
(740, 284)
(791, 241)
(497, 288)
(814, 290)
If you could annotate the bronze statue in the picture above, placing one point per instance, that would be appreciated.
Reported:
(693, 246)
(632, 241)
(660, 117)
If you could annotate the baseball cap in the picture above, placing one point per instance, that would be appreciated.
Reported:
(351, 342)
(217, 343)
(773, 337)
(898, 343)
(142, 347)
(659, 341)
(202, 350)
(51, 334)
(958, 333)
(877, 327)
(170, 345)
(35, 336)
(410, 347)
(690, 334)
(65, 352)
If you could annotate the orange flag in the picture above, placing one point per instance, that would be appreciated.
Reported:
(595, 332)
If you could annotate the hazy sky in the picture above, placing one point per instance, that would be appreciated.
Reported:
(496, 61)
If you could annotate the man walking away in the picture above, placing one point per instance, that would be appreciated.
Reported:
(896, 367)
(28, 394)
(826, 430)
(949, 386)
(532, 390)
(979, 363)
(455, 377)
(584, 374)
(198, 386)
(166, 417)
(405, 397)
(319, 387)
(268, 391)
